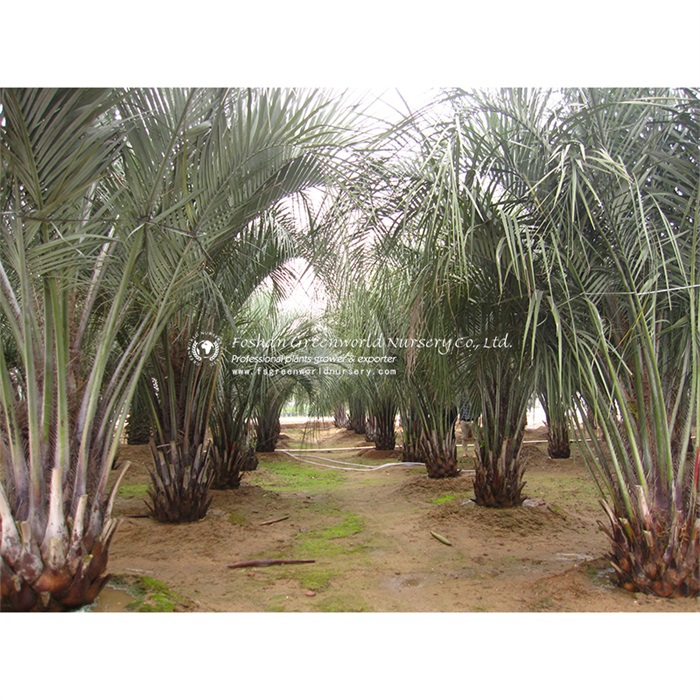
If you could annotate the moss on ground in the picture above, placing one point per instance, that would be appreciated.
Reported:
(544, 604)
(310, 577)
(341, 604)
(133, 491)
(447, 497)
(287, 476)
(150, 594)
(276, 604)
(316, 580)
(323, 542)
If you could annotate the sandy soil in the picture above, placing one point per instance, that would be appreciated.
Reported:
(369, 534)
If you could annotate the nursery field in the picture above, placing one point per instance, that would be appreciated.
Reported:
(370, 536)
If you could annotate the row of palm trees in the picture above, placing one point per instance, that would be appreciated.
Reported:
(135, 220)
(130, 219)
(568, 222)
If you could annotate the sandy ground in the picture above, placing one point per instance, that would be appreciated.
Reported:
(369, 534)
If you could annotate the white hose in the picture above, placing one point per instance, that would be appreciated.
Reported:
(350, 466)
(355, 467)
(358, 467)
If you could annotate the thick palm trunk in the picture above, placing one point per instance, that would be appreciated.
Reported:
(181, 403)
(229, 463)
(371, 430)
(267, 432)
(653, 526)
(180, 489)
(231, 452)
(498, 481)
(62, 569)
(439, 451)
(558, 445)
(557, 417)
(654, 553)
(75, 583)
(358, 418)
(340, 416)
(386, 434)
(384, 426)
(411, 448)
(436, 442)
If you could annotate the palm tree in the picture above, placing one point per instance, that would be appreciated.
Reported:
(555, 398)
(605, 185)
(340, 415)
(114, 205)
(357, 420)
(70, 269)
(252, 151)
(448, 238)
(646, 322)
(281, 377)
(501, 380)
(180, 395)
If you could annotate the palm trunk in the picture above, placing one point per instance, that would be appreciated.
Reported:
(557, 416)
(358, 418)
(651, 502)
(228, 464)
(654, 553)
(180, 489)
(437, 442)
(232, 452)
(411, 448)
(558, 445)
(340, 416)
(439, 451)
(61, 572)
(181, 404)
(384, 419)
(498, 481)
(386, 434)
(267, 432)
(231, 449)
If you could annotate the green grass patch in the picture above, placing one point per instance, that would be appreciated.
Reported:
(276, 604)
(286, 476)
(351, 525)
(341, 604)
(133, 491)
(447, 497)
(316, 580)
(150, 594)
(157, 597)
(324, 542)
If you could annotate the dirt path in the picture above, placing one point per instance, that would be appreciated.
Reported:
(370, 536)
